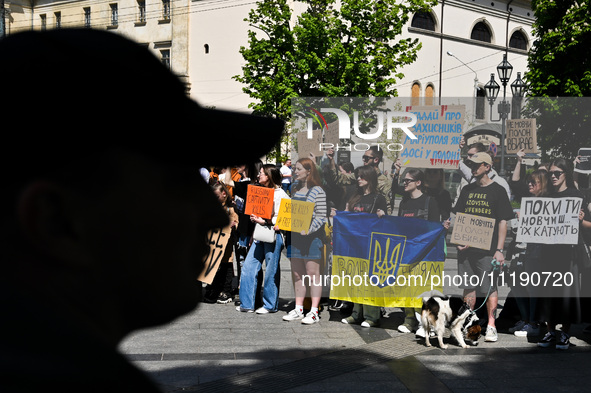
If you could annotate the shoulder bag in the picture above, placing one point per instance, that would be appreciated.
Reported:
(264, 233)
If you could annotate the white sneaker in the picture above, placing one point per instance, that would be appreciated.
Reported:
(262, 310)
(293, 315)
(491, 334)
(403, 329)
(311, 318)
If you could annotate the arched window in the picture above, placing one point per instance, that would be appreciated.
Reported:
(480, 32)
(423, 20)
(518, 41)
(415, 94)
(429, 92)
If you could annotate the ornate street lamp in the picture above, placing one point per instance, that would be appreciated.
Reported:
(492, 88)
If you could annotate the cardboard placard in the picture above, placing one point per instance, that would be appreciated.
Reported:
(295, 216)
(218, 240)
(259, 201)
(549, 220)
(473, 231)
(439, 129)
(584, 164)
(521, 134)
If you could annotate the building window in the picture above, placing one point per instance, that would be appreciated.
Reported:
(423, 20)
(165, 57)
(480, 32)
(43, 19)
(114, 14)
(429, 92)
(58, 20)
(415, 94)
(141, 7)
(166, 9)
(87, 17)
(480, 103)
(518, 41)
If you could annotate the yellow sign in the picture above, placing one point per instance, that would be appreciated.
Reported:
(295, 216)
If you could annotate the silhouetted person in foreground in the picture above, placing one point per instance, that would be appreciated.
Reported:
(103, 213)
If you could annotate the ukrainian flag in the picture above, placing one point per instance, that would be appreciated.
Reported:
(386, 262)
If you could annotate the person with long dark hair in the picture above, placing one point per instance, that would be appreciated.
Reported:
(561, 304)
(538, 186)
(366, 200)
(305, 249)
(416, 204)
(270, 253)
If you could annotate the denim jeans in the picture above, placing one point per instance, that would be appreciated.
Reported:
(270, 253)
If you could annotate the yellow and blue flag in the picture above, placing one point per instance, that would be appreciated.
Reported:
(386, 262)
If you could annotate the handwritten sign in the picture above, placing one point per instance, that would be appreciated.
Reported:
(521, 134)
(439, 129)
(259, 201)
(549, 220)
(218, 240)
(473, 231)
(295, 216)
(584, 164)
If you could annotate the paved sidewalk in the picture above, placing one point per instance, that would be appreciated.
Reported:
(217, 348)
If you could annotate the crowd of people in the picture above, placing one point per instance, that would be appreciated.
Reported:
(422, 195)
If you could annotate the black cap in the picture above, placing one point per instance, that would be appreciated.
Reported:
(69, 92)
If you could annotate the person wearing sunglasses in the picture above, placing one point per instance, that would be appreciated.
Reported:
(561, 305)
(416, 204)
(538, 185)
(484, 198)
(519, 182)
(366, 200)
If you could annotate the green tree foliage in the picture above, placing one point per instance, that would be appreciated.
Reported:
(559, 67)
(325, 51)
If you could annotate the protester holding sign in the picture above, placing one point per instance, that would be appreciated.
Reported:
(416, 204)
(367, 200)
(261, 251)
(560, 304)
(538, 186)
(521, 187)
(305, 248)
(483, 198)
(220, 289)
(245, 226)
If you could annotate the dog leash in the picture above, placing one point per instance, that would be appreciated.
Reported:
(495, 266)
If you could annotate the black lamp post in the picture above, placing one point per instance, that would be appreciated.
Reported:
(492, 89)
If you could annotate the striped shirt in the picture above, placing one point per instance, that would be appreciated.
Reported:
(317, 196)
